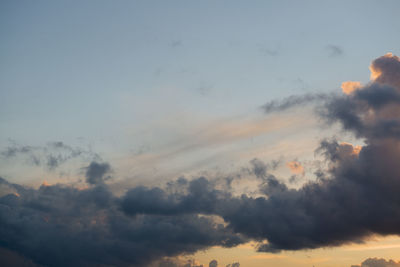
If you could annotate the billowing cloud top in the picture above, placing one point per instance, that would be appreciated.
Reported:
(385, 70)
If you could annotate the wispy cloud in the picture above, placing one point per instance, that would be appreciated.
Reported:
(334, 50)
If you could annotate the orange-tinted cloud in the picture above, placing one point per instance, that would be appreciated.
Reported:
(385, 70)
(349, 149)
(295, 167)
(350, 86)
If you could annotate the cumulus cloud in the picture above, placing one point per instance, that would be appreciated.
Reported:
(385, 70)
(350, 86)
(372, 111)
(59, 225)
(96, 173)
(375, 262)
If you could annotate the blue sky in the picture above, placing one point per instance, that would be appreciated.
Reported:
(70, 65)
(135, 75)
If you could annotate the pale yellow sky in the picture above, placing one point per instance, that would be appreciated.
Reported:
(343, 256)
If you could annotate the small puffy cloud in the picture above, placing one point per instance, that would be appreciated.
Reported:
(375, 262)
(213, 263)
(295, 167)
(96, 173)
(350, 86)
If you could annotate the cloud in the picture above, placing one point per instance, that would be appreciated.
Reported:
(372, 111)
(385, 70)
(59, 225)
(51, 155)
(335, 50)
(10, 258)
(213, 263)
(176, 43)
(96, 172)
(293, 101)
(350, 86)
(295, 167)
(168, 263)
(346, 204)
(375, 262)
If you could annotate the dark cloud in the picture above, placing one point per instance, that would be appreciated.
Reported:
(375, 262)
(386, 70)
(235, 264)
(96, 173)
(371, 112)
(10, 258)
(259, 168)
(345, 205)
(62, 226)
(168, 263)
(293, 101)
(52, 155)
(335, 50)
(213, 263)
(198, 196)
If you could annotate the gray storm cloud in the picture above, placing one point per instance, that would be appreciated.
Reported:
(358, 195)
(97, 173)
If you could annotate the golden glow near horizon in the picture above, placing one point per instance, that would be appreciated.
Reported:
(342, 256)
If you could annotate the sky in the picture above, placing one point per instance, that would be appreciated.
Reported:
(189, 133)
